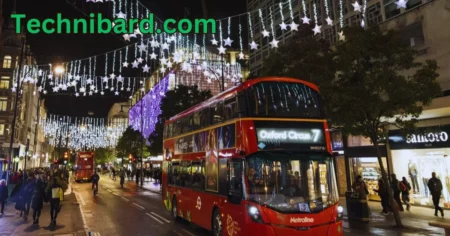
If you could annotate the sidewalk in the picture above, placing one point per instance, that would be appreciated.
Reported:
(69, 221)
(148, 185)
(415, 222)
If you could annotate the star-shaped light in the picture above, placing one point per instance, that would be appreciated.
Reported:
(293, 26)
(265, 33)
(316, 29)
(146, 68)
(92, 87)
(112, 76)
(163, 60)
(163, 70)
(90, 93)
(111, 89)
(77, 94)
(241, 56)
(120, 78)
(306, 20)
(142, 47)
(153, 55)
(77, 77)
(356, 6)
(329, 21)
(102, 93)
(105, 79)
(64, 87)
(341, 36)
(128, 89)
(165, 46)
(135, 64)
(227, 41)
(55, 89)
(169, 64)
(125, 64)
(401, 4)
(89, 81)
(50, 76)
(121, 15)
(126, 37)
(116, 93)
(274, 43)
(140, 60)
(283, 26)
(253, 45)
(222, 49)
(82, 89)
(154, 44)
(214, 41)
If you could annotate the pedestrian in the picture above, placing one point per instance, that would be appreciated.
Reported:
(114, 173)
(37, 201)
(360, 186)
(27, 196)
(122, 176)
(384, 196)
(435, 187)
(405, 187)
(3, 196)
(138, 173)
(395, 185)
(53, 193)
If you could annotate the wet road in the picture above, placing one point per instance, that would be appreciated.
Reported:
(128, 211)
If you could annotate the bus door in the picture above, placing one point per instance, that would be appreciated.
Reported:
(234, 211)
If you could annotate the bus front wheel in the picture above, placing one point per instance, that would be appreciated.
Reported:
(217, 223)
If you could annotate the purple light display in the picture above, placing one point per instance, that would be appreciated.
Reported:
(151, 109)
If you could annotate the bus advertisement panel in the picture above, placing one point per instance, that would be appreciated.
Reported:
(259, 163)
(84, 166)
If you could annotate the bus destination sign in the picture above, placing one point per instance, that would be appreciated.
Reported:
(295, 136)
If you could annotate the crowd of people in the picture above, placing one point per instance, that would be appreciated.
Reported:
(31, 189)
(153, 174)
(401, 190)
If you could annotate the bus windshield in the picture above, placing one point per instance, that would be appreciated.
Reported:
(282, 99)
(292, 182)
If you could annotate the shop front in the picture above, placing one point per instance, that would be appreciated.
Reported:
(417, 155)
(154, 162)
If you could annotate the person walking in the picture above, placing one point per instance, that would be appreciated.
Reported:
(396, 188)
(405, 187)
(122, 176)
(360, 186)
(53, 193)
(384, 196)
(37, 201)
(27, 196)
(3, 196)
(435, 187)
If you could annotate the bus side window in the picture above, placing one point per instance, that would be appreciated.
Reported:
(235, 180)
(197, 176)
(195, 122)
(169, 131)
(230, 109)
(185, 174)
(175, 168)
(176, 128)
(205, 117)
(186, 126)
(217, 113)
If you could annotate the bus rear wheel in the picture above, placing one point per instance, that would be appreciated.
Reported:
(217, 223)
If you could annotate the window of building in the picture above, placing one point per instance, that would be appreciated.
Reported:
(413, 3)
(2, 129)
(413, 35)
(391, 10)
(374, 15)
(9, 41)
(7, 61)
(4, 82)
(3, 103)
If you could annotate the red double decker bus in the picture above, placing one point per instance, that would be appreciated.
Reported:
(84, 166)
(255, 159)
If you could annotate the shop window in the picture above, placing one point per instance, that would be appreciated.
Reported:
(3, 103)
(369, 169)
(7, 61)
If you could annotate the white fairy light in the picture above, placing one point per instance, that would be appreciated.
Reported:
(274, 42)
(120, 62)
(253, 45)
(305, 18)
(228, 41)
(282, 25)
(265, 33)
(316, 28)
(241, 54)
(363, 18)
(327, 11)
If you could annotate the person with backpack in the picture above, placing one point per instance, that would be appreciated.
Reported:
(405, 187)
(54, 193)
(435, 186)
(384, 196)
(395, 185)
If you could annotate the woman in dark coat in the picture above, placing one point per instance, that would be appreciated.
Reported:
(3, 196)
(37, 200)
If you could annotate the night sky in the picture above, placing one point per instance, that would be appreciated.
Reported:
(52, 48)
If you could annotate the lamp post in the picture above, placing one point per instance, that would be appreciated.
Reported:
(26, 156)
(13, 123)
(142, 140)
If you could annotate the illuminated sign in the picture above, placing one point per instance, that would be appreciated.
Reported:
(428, 138)
(281, 135)
(301, 220)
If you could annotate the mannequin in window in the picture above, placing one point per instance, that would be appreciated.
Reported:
(412, 171)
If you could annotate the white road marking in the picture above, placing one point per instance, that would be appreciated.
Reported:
(155, 218)
(125, 199)
(139, 206)
(162, 218)
(188, 232)
(78, 196)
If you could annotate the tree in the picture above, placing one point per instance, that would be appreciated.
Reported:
(130, 143)
(181, 98)
(371, 81)
(103, 155)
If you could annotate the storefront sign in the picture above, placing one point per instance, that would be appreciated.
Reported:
(290, 135)
(430, 137)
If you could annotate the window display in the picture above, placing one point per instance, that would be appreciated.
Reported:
(417, 165)
(369, 169)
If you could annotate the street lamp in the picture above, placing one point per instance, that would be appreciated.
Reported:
(59, 70)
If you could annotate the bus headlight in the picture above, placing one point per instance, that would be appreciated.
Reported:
(340, 213)
(254, 214)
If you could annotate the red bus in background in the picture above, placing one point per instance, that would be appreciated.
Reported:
(84, 166)
(255, 159)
